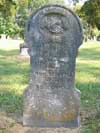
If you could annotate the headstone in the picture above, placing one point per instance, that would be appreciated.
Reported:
(23, 50)
(53, 35)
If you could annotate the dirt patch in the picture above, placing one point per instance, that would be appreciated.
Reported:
(10, 125)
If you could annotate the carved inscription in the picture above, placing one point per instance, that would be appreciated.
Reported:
(53, 35)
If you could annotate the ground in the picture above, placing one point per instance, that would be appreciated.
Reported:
(14, 78)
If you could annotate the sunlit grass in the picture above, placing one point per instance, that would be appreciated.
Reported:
(88, 81)
(88, 70)
(8, 44)
(14, 77)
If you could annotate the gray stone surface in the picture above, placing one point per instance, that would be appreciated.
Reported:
(43, 130)
(24, 52)
(24, 49)
(53, 35)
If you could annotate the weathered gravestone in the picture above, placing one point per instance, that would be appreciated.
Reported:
(53, 35)
(23, 49)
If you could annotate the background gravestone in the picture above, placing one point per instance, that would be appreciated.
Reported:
(23, 49)
(53, 35)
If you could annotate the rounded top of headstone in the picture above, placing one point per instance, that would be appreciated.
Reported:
(56, 20)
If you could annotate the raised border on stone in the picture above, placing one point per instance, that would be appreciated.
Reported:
(27, 117)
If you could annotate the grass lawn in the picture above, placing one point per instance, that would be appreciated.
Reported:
(14, 77)
(88, 81)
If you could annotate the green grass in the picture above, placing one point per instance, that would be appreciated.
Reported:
(14, 77)
(88, 81)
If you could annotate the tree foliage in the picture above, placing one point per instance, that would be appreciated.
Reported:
(91, 12)
(34, 4)
(7, 8)
(26, 7)
(14, 13)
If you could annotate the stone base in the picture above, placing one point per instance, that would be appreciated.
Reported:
(51, 111)
(55, 130)
(29, 121)
(47, 130)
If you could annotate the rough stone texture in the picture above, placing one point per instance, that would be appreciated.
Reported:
(53, 35)
(43, 130)
(24, 49)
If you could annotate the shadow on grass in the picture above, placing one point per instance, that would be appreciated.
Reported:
(89, 54)
(89, 69)
(9, 52)
(13, 67)
(90, 106)
(14, 74)
(88, 82)
(11, 102)
(89, 91)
